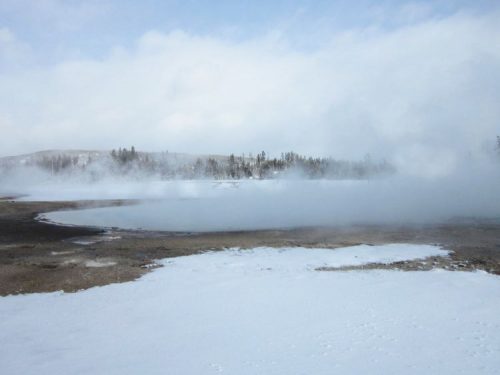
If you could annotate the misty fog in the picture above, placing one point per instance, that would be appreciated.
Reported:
(239, 205)
(417, 88)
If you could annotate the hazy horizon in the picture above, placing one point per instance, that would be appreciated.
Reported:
(415, 82)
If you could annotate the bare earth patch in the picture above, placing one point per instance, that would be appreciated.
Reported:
(43, 257)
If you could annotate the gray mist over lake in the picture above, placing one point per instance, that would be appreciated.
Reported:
(197, 206)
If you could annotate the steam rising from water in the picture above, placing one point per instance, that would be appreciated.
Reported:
(247, 205)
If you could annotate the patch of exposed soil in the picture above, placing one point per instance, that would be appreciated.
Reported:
(426, 264)
(42, 257)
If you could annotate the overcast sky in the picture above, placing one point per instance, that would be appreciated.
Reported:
(415, 82)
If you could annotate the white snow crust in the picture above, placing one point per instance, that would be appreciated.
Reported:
(263, 311)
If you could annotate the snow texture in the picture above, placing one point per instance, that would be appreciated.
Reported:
(263, 311)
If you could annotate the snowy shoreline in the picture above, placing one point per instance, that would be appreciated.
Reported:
(263, 311)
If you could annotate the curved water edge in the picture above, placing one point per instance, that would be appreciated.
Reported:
(207, 206)
(45, 216)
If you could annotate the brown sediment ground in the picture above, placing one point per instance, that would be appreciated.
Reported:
(42, 257)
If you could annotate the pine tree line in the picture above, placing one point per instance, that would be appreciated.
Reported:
(249, 167)
(125, 162)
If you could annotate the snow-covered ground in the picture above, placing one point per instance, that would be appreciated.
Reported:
(263, 311)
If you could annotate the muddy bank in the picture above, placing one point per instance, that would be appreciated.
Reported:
(43, 257)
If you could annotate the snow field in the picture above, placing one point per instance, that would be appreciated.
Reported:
(263, 311)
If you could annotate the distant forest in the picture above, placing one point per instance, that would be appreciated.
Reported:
(169, 166)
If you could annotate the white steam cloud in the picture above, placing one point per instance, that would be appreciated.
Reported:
(424, 96)
(248, 205)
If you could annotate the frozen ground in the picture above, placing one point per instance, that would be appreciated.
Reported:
(263, 311)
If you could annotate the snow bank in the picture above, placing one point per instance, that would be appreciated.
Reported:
(300, 258)
(263, 312)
